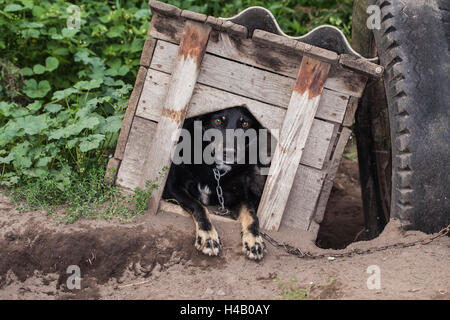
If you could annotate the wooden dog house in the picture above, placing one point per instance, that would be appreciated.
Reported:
(306, 87)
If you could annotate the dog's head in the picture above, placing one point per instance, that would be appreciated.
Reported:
(238, 131)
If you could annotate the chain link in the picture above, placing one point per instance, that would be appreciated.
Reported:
(221, 211)
(299, 253)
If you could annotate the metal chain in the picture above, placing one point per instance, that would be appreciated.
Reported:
(299, 253)
(221, 211)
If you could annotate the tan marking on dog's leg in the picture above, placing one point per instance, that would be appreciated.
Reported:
(252, 245)
(208, 242)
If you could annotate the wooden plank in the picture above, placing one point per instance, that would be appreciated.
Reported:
(300, 48)
(332, 106)
(249, 82)
(147, 52)
(112, 169)
(349, 117)
(195, 16)
(141, 134)
(332, 170)
(294, 132)
(181, 87)
(207, 99)
(158, 7)
(274, 59)
(129, 113)
(305, 192)
(362, 66)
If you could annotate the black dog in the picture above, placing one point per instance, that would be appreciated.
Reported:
(193, 186)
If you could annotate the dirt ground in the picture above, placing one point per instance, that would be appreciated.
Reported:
(154, 258)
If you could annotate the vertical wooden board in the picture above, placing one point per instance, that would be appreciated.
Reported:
(293, 136)
(317, 144)
(129, 113)
(332, 170)
(112, 169)
(139, 143)
(350, 112)
(303, 197)
(147, 52)
(184, 77)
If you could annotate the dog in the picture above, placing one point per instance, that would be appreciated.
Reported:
(194, 185)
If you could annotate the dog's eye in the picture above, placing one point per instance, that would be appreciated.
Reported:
(244, 124)
(218, 121)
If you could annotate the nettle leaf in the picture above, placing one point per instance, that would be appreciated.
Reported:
(142, 13)
(21, 157)
(26, 71)
(6, 108)
(73, 142)
(31, 25)
(53, 107)
(111, 124)
(91, 105)
(69, 32)
(34, 90)
(38, 11)
(75, 128)
(56, 36)
(32, 33)
(7, 159)
(10, 131)
(115, 32)
(13, 8)
(39, 69)
(88, 85)
(20, 112)
(60, 51)
(35, 106)
(63, 94)
(51, 63)
(136, 45)
(44, 161)
(91, 142)
(36, 172)
(35, 124)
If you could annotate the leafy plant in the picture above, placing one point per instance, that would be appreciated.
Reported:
(86, 195)
(64, 90)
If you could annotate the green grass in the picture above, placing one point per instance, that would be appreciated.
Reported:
(87, 195)
(291, 291)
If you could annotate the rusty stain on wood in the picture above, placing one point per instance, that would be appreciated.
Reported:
(193, 44)
(176, 116)
(311, 77)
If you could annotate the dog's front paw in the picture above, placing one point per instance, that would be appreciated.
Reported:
(208, 242)
(253, 246)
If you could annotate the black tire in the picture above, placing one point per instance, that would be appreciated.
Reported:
(413, 45)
